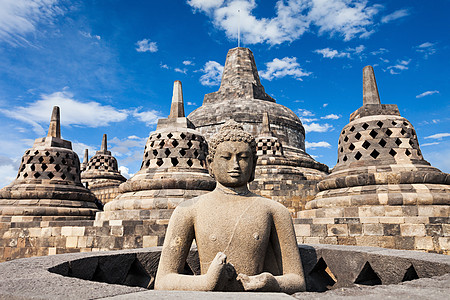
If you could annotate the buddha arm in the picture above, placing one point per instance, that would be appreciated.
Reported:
(292, 279)
(177, 243)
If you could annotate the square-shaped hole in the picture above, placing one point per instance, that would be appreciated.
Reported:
(380, 124)
(352, 129)
(365, 126)
(366, 144)
(373, 133)
(358, 155)
(394, 123)
(351, 147)
(374, 153)
(346, 139)
(382, 143)
(358, 136)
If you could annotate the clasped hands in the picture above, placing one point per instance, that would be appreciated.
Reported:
(222, 276)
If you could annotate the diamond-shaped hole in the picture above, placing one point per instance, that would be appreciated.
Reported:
(407, 152)
(50, 175)
(405, 123)
(63, 176)
(374, 153)
(345, 158)
(63, 161)
(33, 167)
(380, 124)
(373, 133)
(158, 136)
(167, 152)
(195, 153)
(147, 164)
(358, 155)
(25, 175)
(51, 160)
(57, 154)
(41, 159)
(174, 143)
(57, 168)
(189, 144)
(343, 131)
(159, 162)
(322, 277)
(403, 131)
(388, 132)
(189, 162)
(37, 175)
(352, 129)
(44, 167)
(367, 276)
(351, 147)
(411, 142)
(182, 135)
(161, 144)
(155, 152)
(366, 145)
(393, 152)
(382, 143)
(174, 161)
(182, 152)
(170, 135)
(394, 123)
(342, 149)
(194, 137)
(365, 126)
(358, 136)
(36, 152)
(398, 142)
(346, 139)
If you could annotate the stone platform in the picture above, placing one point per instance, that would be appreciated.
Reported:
(350, 272)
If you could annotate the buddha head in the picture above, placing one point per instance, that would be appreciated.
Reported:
(232, 155)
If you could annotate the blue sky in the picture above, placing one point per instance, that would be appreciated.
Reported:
(110, 66)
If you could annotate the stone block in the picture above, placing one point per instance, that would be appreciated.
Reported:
(34, 232)
(149, 241)
(387, 242)
(78, 231)
(417, 220)
(311, 240)
(444, 243)
(394, 211)
(323, 221)
(66, 231)
(412, 229)
(446, 229)
(424, 243)
(319, 230)
(369, 219)
(373, 229)
(434, 230)
(302, 229)
(117, 230)
(46, 232)
(370, 241)
(337, 230)
(392, 220)
(355, 229)
(391, 230)
(71, 242)
(345, 240)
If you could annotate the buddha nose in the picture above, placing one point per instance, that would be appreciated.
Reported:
(235, 164)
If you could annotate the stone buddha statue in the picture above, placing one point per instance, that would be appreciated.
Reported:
(245, 242)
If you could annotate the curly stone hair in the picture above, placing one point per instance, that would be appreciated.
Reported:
(231, 131)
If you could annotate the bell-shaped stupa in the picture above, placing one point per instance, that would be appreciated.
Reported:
(48, 184)
(173, 169)
(102, 175)
(242, 97)
(382, 192)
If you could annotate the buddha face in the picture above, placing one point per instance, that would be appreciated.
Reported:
(232, 165)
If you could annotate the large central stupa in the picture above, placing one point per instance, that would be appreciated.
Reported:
(242, 97)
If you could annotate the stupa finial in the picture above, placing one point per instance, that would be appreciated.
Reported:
(266, 125)
(370, 89)
(86, 156)
(54, 130)
(177, 108)
(104, 146)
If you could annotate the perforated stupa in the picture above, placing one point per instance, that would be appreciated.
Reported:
(48, 185)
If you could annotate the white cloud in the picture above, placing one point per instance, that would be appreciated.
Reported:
(308, 120)
(314, 145)
(395, 15)
(164, 66)
(125, 172)
(400, 66)
(212, 73)
(20, 18)
(191, 103)
(188, 63)
(73, 112)
(379, 51)
(146, 45)
(316, 127)
(426, 48)
(325, 105)
(292, 18)
(80, 147)
(279, 68)
(438, 136)
(126, 146)
(427, 93)
(90, 36)
(430, 144)
(149, 117)
(134, 137)
(332, 53)
(8, 170)
(331, 117)
(304, 113)
(184, 71)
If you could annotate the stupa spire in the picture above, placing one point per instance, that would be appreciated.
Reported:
(177, 108)
(266, 125)
(54, 130)
(370, 89)
(104, 146)
(86, 156)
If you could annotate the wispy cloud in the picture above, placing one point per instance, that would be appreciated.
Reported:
(178, 70)
(188, 63)
(212, 73)
(332, 53)
(146, 45)
(89, 35)
(438, 136)
(164, 66)
(400, 66)
(427, 49)
(427, 93)
(191, 103)
(304, 113)
(149, 117)
(430, 144)
(379, 51)
(314, 145)
(401, 13)
(279, 68)
(19, 19)
(292, 19)
(331, 117)
(73, 112)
